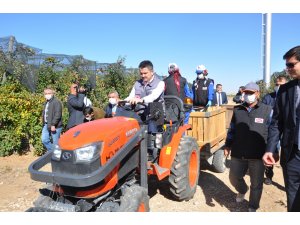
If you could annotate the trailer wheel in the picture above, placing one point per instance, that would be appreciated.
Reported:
(185, 170)
(134, 199)
(218, 162)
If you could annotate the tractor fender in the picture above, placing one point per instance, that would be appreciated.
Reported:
(168, 152)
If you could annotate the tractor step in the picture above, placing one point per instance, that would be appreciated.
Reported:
(160, 171)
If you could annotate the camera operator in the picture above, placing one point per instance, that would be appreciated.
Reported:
(75, 104)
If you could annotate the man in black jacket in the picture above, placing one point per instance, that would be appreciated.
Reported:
(238, 98)
(246, 140)
(220, 97)
(270, 99)
(52, 119)
(111, 107)
(285, 127)
(75, 104)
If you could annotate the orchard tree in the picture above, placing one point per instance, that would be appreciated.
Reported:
(117, 79)
(262, 84)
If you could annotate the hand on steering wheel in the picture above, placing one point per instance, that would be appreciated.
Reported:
(135, 101)
(130, 105)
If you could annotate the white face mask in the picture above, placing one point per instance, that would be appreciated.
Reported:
(112, 101)
(200, 76)
(48, 96)
(88, 118)
(250, 98)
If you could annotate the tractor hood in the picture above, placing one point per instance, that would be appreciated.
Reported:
(109, 131)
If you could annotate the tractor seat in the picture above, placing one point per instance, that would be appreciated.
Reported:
(174, 109)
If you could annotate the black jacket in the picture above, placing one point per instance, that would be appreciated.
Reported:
(54, 114)
(108, 110)
(75, 107)
(201, 91)
(270, 99)
(283, 122)
(171, 89)
(248, 133)
(224, 98)
(237, 98)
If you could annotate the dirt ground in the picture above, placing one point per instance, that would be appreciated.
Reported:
(214, 192)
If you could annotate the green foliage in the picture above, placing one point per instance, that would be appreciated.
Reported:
(115, 78)
(262, 85)
(20, 112)
(13, 66)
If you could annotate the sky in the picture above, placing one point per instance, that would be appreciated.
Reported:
(228, 44)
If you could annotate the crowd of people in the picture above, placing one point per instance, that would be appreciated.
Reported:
(259, 129)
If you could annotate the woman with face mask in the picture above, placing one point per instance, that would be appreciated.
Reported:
(111, 108)
(246, 143)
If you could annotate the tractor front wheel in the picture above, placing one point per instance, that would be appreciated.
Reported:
(185, 170)
(134, 199)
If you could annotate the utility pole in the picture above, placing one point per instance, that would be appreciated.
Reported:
(266, 24)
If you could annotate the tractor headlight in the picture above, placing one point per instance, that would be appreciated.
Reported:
(56, 152)
(87, 153)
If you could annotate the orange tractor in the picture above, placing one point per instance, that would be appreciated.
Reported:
(103, 165)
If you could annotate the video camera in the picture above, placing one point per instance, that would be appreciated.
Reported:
(87, 88)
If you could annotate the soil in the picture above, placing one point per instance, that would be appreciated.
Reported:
(214, 191)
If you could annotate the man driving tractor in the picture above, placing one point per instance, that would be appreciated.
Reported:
(146, 90)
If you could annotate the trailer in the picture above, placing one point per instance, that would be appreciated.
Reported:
(209, 128)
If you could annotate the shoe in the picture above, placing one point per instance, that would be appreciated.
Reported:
(251, 210)
(240, 197)
(268, 181)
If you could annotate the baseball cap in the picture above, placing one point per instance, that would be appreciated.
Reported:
(251, 87)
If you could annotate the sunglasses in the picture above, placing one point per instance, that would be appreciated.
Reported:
(291, 65)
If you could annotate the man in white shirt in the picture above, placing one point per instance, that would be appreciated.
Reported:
(148, 89)
(220, 97)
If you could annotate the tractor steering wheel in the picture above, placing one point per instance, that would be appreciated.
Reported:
(126, 106)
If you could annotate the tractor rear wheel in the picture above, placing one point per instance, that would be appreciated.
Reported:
(134, 199)
(185, 170)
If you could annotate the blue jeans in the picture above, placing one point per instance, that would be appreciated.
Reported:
(238, 169)
(46, 134)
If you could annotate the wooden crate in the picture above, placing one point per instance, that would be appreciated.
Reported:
(209, 128)
(229, 112)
